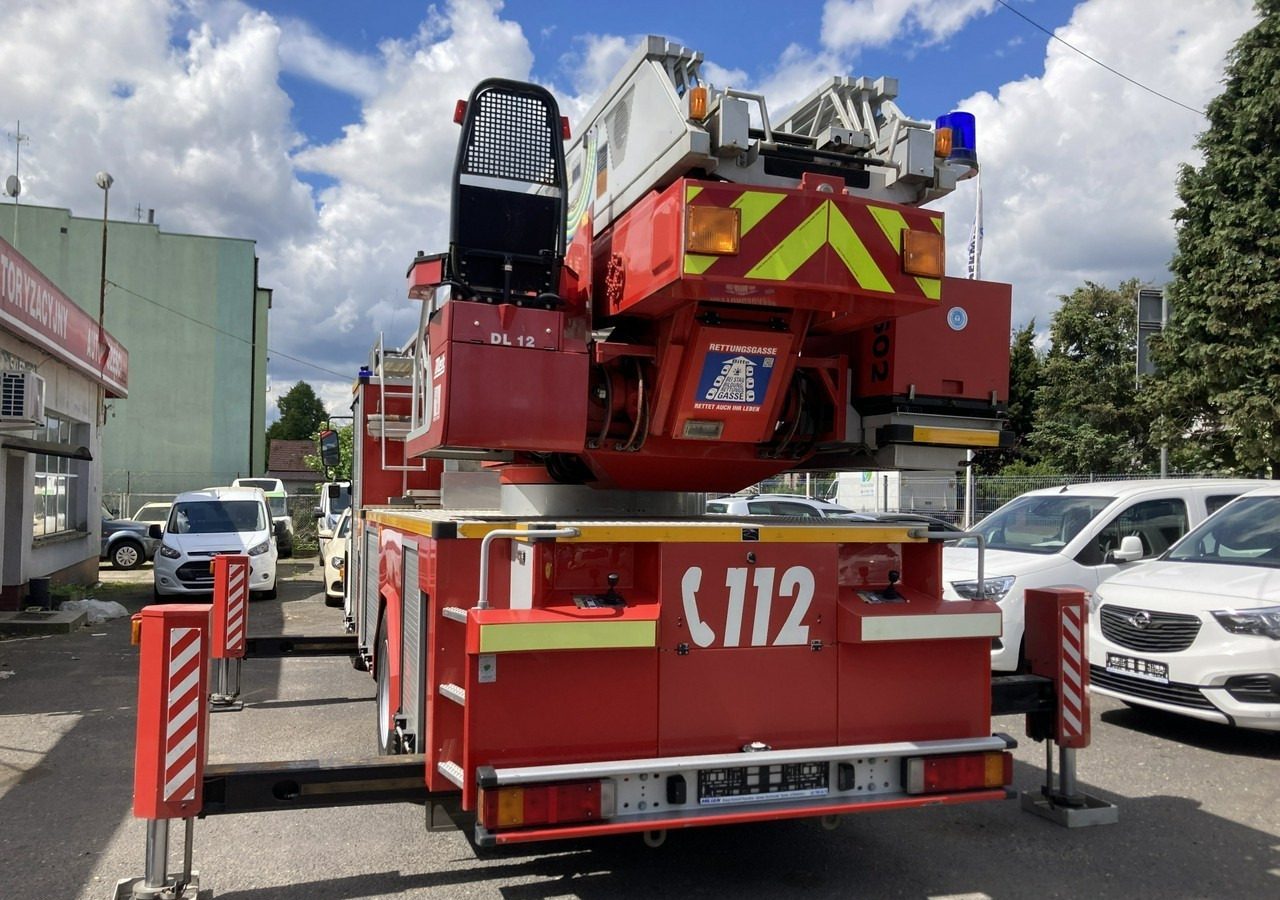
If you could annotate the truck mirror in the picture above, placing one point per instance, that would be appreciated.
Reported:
(335, 490)
(317, 512)
(330, 455)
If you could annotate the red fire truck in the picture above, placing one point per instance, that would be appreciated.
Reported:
(553, 626)
(691, 298)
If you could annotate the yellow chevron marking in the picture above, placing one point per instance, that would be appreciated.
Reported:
(755, 205)
(691, 191)
(849, 247)
(930, 287)
(698, 263)
(891, 223)
(937, 223)
(791, 253)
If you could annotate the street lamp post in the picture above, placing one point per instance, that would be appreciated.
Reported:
(104, 181)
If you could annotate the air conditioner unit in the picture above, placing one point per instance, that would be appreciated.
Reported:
(21, 399)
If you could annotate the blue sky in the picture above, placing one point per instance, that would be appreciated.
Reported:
(322, 130)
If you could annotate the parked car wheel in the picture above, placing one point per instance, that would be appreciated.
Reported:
(127, 554)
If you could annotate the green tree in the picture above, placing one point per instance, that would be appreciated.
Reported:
(301, 414)
(346, 450)
(1086, 413)
(1218, 360)
(1026, 374)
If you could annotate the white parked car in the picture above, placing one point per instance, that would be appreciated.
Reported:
(334, 552)
(1071, 537)
(1197, 632)
(205, 524)
(153, 513)
(775, 505)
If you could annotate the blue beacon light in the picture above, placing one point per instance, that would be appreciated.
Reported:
(964, 145)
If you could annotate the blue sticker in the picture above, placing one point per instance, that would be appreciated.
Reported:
(957, 318)
(735, 380)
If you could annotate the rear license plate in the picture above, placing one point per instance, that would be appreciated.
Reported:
(1146, 669)
(747, 784)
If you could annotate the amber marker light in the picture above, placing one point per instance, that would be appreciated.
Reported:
(712, 229)
(942, 140)
(698, 103)
(923, 254)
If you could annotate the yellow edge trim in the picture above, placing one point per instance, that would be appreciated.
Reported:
(513, 637)
(960, 436)
(660, 533)
(847, 534)
(691, 191)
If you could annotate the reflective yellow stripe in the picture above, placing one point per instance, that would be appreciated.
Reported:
(515, 636)
(755, 205)
(697, 263)
(691, 191)
(891, 223)
(807, 239)
(849, 247)
(964, 437)
(930, 287)
(930, 627)
(937, 223)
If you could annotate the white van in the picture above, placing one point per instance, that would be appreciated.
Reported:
(1071, 537)
(209, 523)
(333, 501)
(278, 502)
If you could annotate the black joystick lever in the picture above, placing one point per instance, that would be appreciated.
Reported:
(890, 593)
(611, 597)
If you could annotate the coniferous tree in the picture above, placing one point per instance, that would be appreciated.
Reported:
(1216, 397)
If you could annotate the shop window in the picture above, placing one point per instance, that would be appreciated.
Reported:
(59, 480)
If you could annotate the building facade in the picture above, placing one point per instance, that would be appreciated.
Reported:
(191, 312)
(58, 372)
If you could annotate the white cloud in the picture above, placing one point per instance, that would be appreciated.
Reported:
(181, 102)
(849, 24)
(1079, 164)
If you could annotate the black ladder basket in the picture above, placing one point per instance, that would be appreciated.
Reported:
(506, 240)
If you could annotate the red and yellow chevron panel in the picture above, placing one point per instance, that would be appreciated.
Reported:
(799, 247)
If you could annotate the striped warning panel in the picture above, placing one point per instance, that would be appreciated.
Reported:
(1073, 709)
(237, 604)
(182, 720)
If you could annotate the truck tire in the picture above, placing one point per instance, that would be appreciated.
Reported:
(388, 743)
(127, 553)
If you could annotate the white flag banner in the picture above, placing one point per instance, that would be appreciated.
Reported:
(975, 239)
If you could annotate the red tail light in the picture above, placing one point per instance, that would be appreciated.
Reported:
(459, 110)
(549, 804)
(939, 774)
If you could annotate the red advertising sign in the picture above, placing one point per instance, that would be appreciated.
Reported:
(35, 310)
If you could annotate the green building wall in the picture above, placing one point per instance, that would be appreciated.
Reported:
(194, 320)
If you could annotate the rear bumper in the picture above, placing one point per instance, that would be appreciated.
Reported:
(663, 794)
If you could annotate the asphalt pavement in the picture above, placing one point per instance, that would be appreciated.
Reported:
(1199, 803)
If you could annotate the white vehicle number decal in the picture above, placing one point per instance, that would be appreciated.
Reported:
(796, 583)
